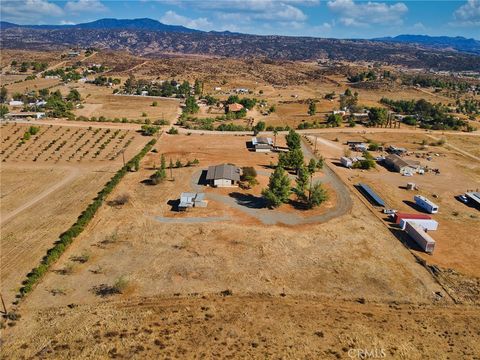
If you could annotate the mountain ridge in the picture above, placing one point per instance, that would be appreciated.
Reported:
(458, 43)
(137, 37)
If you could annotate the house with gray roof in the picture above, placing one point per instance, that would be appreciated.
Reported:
(224, 175)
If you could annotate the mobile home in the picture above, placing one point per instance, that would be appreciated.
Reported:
(426, 204)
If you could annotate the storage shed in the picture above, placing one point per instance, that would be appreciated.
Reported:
(401, 165)
(224, 175)
(345, 161)
(188, 200)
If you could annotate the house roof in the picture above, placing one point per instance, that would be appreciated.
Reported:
(235, 107)
(262, 140)
(223, 171)
(397, 161)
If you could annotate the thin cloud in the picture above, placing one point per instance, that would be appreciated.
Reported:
(80, 6)
(467, 15)
(364, 14)
(172, 18)
(28, 11)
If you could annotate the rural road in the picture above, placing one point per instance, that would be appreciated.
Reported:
(73, 174)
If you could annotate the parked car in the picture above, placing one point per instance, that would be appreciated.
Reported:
(462, 198)
(389, 211)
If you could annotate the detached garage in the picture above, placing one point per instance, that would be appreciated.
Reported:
(225, 175)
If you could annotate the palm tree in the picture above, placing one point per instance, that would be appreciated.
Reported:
(275, 133)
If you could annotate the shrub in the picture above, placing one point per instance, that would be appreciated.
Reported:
(172, 131)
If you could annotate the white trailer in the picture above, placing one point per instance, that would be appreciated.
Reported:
(347, 162)
(425, 204)
(424, 240)
(425, 224)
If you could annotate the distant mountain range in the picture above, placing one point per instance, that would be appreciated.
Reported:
(149, 37)
(458, 43)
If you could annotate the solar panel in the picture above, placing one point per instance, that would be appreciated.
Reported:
(366, 190)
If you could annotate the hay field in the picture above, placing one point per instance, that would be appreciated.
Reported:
(46, 182)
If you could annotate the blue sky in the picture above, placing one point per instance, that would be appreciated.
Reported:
(322, 18)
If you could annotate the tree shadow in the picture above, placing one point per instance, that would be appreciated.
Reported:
(249, 200)
(299, 205)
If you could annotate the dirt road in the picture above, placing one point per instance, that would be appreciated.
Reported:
(73, 174)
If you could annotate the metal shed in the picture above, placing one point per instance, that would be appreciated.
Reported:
(370, 195)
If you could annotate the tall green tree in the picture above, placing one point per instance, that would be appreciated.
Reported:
(291, 160)
(334, 120)
(377, 116)
(318, 194)
(163, 162)
(278, 190)
(191, 106)
(312, 108)
(3, 94)
(302, 183)
(3, 111)
(293, 140)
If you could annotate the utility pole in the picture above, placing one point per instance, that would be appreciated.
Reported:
(3, 304)
(315, 150)
(123, 157)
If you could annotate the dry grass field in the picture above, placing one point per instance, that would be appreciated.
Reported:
(239, 286)
(46, 182)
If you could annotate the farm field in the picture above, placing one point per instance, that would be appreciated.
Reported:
(46, 182)
(99, 101)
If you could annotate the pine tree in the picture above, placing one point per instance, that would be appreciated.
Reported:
(317, 195)
(278, 190)
(302, 183)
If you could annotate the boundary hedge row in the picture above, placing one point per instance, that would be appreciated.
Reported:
(76, 229)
